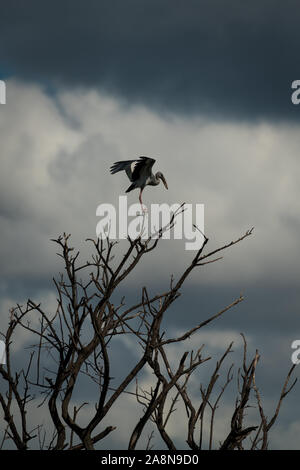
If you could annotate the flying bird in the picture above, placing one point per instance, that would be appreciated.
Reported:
(139, 173)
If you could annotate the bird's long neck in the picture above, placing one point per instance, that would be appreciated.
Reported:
(155, 179)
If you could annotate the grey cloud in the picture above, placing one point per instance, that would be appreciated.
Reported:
(54, 176)
(212, 57)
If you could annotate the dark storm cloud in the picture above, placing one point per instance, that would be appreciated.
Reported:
(232, 58)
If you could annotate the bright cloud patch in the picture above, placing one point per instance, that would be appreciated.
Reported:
(56, 154)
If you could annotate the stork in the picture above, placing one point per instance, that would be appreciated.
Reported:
(140, 174)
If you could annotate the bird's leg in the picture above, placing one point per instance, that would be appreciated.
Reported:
(141, 202)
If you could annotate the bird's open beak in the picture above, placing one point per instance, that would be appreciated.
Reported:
(164, 181)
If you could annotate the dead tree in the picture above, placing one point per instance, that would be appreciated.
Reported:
(77, 338)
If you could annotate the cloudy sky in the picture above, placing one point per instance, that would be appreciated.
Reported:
(205, 88)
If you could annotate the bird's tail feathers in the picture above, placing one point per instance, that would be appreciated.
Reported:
(131, 187)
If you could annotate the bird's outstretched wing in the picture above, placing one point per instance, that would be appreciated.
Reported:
(143, 167)
(134, 168)
(126, 165)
